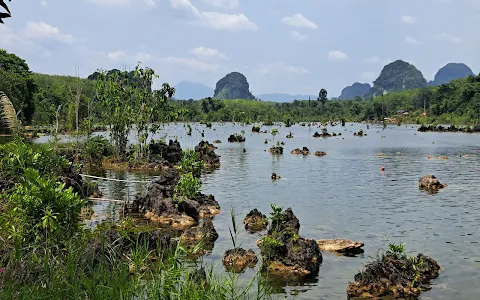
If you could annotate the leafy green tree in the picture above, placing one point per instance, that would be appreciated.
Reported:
(17, 83)
(322, 96)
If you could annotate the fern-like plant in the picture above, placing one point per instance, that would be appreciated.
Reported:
(8, 115)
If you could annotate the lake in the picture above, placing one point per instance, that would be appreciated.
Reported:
(345, 195)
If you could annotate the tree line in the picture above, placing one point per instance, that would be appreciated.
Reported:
(78, 104)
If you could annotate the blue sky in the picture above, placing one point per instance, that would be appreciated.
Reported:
(284, 46)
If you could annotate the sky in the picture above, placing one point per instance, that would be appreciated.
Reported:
(281, 46)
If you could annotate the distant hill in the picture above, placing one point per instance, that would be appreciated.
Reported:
(233, 86)
(185, 90)
(284, 97)
(397, 76)
(355, 90)
(450, 72)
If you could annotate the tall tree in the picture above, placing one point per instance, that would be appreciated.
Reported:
(322, 96)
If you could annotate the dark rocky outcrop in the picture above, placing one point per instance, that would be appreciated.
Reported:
(217, 141)
(207, 154)
(236, 138)
(451, 72)
(255, 221)
(233, 86)
(205, 233)
(303, 151)
(159, 206)
(285, 253)
(256, 129)
(393, 275)
(355, 90)
(289, 135)
(430, 182)
(397, 76)
(320, 153)
(237, 259)
(162, 153)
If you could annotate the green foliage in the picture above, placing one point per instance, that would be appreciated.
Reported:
(16, 158)
(128, 102)
(276, 215)
(96, 148)
(43, 206)
(17, 82)
(187, 187)
(190, 163)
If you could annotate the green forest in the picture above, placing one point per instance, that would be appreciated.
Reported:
(73, 103)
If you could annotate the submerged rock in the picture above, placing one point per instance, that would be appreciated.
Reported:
(255, 221)
(303, 151)
(217, 141)
(238, 259)
(340, 246)
(394, 275)
(320, 153)
(430, 182)
(284, 252)
(207, 154)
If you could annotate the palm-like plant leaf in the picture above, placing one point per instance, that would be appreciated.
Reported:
(8, 115)
(4, 15)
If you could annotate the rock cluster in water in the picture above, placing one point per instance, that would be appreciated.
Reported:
(165, 155)
(207, 154)
(430, 182)
(394, 275)
(158, 203)
(452, 128)
(255, 221)
(238, 259)
(303, 151)
(285, 253)
(236, 138)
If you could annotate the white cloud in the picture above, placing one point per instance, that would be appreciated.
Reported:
(281, 67)
(448, 37)
(122, 2)
(299, 21)
(43, 3)
(216, 20)
(409, 20)
(203, 52)
(190, 63)
(41, 30)
(337, 56)
(411, 40)
(368, 76)
(117, 55)
(223, 3)
(297, 35)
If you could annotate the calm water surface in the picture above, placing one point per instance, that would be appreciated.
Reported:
(345, 195)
